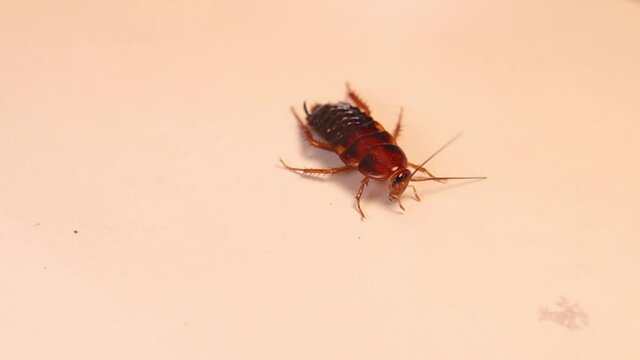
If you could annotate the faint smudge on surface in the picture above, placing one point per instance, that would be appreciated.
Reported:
(566, 314)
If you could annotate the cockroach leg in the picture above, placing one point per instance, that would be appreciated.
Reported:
(363, 184)
(420, 168)
(415, 193)
(307, 171)
(357, 100)
(307, 134)
(396, 131)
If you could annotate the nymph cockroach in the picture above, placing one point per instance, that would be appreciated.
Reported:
(364, 145)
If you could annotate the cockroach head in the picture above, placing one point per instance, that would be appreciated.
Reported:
(398, 183)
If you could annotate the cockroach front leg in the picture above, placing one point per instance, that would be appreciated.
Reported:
(308, 171)
(357, 100)
(306, 132)
(363, 184)
(415, 193)
(420, 168)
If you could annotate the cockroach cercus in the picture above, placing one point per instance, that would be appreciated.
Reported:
(364, 145)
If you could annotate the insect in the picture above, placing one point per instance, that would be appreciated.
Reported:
(364, 145)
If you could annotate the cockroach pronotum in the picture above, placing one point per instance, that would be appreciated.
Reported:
(364, 145)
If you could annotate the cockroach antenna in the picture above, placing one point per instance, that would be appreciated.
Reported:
(433, 178)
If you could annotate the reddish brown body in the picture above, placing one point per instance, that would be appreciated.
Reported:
(362, 144)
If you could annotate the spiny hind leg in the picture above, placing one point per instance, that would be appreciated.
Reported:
(306, 132)
(309, 171)
(357, 100)
(363, 184)
(396, 131)
(424, 170)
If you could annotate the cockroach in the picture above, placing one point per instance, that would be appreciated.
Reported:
(364, 145)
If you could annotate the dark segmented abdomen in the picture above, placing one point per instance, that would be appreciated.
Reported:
(340, 124)
(355, 137)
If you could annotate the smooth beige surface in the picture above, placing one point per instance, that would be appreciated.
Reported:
(153, 129)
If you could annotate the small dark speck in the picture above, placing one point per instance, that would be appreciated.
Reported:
(75, 231)
(358, 237)
(44, 268)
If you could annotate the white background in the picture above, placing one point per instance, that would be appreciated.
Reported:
(153, 129)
